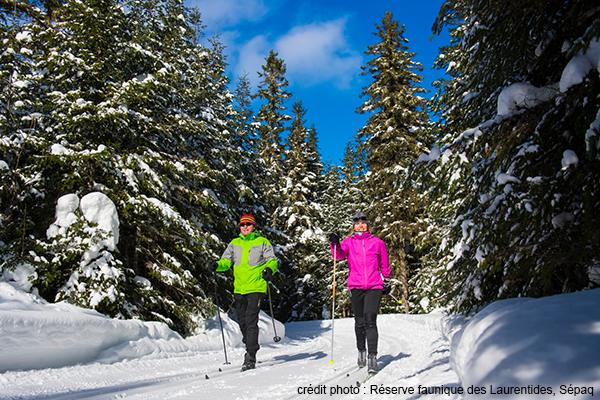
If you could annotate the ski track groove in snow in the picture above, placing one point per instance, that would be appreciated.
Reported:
(412, 351)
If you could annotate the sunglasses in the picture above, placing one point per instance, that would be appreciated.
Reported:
(246, 224)
(363, 219)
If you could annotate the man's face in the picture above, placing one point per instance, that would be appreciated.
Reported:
(246, 228)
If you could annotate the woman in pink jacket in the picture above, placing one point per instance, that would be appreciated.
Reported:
(369, 274)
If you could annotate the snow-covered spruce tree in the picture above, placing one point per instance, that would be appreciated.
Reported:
(340, 202)
(29, 192)
(127, 110)
(331, 199)
(246, 129)
(354, 191)
(314, 165)
(21, 136)
(300, 216)
(269, 159)
(299, 210)
(354, 161)
(394, 137)
(516, 186)
(245, 142)
(335, 218)
(272, 92)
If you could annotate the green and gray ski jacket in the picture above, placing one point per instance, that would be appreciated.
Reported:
(249, 255)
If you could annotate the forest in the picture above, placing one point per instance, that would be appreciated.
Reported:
(490, 190)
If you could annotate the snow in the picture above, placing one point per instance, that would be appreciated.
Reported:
(503, 179)
(570, 159)
(545, 343)
(562, 220)
(591, 133)
(58, 150)
(60, 351)
(522, 94)
(96, 208)
(433, 155)
(24, 36)
(65, 215)
(525, 95)
(579, 66)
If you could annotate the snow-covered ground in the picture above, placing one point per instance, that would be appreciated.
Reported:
(58, 351)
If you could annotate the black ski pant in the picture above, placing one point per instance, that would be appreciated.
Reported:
(365, 305)
(248, 308)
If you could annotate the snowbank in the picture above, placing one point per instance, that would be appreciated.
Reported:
(35, 334)
(551, 342)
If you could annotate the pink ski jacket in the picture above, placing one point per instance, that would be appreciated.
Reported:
(367, 256)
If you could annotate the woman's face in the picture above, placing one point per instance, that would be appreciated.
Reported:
(361, 226)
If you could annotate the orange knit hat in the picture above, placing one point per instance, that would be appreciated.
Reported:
(247, 218)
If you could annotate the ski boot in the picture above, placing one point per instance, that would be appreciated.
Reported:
(362, 358)
(249, 362)
(372, 367)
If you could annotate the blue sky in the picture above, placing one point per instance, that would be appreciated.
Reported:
(322, 43)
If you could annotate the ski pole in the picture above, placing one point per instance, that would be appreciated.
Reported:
(275, 287)
(276, 338)
(221, 323)
(333, 301)
(394, 297)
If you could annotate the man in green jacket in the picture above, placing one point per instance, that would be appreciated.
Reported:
(254, 264)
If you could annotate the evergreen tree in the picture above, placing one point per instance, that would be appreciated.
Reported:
(394, 137)
(333, 204)
(341, 198)
(245, 141)
(336, 213)
(272, 90)
(243, 120)
(514, 190)
(21, 135)
(127, 104)
(298, 211)
(300, 216)
(270, 181)
(355, 160)
(314, 165)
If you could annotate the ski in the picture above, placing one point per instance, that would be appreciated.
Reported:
(234, 369)
(369, 376)
(223, 372)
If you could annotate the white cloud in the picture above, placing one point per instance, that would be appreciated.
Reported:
(314, 53)
(229, 12)
(251, 57)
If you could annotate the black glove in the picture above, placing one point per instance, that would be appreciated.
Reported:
(387, 286)
(334, 237)
(212, 266)
(267, 274)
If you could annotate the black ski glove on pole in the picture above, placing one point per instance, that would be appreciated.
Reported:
(334, 237)
(387, 287)
(267, 274)
(212, 266)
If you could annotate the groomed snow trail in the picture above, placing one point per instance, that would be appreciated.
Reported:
(412, 352)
